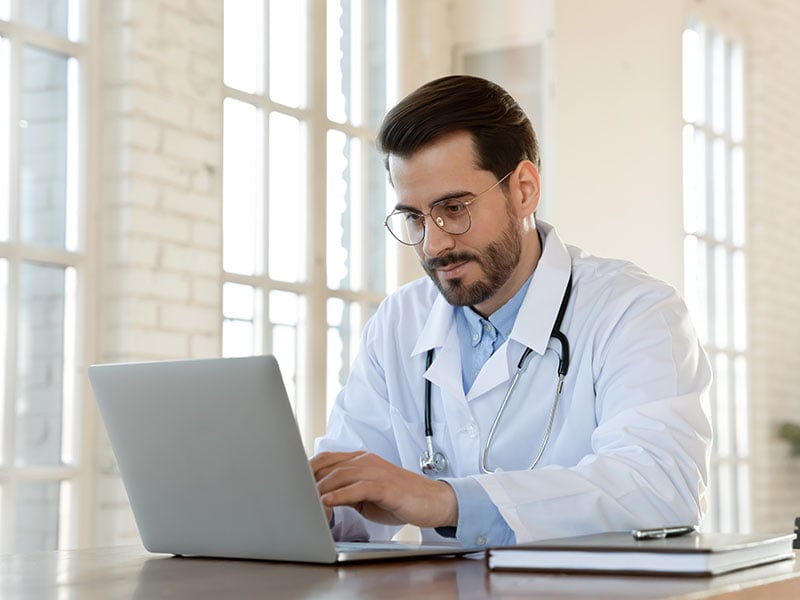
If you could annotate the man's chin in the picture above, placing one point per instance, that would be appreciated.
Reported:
(458, 294)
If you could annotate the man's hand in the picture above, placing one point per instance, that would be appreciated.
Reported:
(381, 491)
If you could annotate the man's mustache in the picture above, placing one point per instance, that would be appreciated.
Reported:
(439, 262)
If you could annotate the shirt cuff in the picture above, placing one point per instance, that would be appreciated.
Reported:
(479, 521)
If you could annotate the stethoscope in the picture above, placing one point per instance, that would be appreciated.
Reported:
(432, 461)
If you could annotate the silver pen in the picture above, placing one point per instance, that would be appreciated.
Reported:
(659, 533)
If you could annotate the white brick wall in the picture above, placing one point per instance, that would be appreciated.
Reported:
(160, 207)
(773, 150)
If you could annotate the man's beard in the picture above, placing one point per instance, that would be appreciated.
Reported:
(498, 261)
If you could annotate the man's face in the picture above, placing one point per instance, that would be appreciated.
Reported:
(476, 268)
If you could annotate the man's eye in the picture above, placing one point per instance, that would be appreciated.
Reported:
(452, 209)
(413, 218)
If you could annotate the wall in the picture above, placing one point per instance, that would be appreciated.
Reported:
(159, 206)
(614, 85)
(772, 47)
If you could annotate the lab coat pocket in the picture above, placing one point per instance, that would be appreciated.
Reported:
(410, 438)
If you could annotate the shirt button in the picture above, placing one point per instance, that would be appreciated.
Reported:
(476, 337)
(480, 540)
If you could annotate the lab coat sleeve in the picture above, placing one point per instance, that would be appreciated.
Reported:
(648, 464)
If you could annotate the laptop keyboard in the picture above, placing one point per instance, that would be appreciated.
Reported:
(390, 546)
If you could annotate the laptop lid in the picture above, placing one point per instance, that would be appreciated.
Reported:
(213, 462)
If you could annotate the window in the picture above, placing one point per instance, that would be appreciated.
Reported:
(714, 244)
(41, 271)
(305, 256)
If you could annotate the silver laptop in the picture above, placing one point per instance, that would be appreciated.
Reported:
(213, 463)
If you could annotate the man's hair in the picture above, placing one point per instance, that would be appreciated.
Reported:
(502, 132)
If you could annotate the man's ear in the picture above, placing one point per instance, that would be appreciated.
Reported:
(527, 192)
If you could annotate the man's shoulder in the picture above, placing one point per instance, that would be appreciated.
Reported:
(414, 298)
(591, 271)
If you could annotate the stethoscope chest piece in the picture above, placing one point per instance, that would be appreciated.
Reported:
(431, 463)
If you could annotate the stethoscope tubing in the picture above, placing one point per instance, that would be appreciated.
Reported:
(431, 460)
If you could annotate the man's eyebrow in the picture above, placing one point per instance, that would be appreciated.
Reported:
(449, 196)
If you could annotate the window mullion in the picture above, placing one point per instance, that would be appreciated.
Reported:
(312, 414)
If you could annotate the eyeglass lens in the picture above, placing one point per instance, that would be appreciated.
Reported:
(451, 216)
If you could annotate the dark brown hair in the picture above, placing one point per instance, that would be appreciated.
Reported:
(502, 132)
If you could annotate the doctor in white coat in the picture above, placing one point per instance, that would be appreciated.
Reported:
(606, 424)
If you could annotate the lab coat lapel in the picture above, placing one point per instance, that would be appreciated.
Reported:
(495, 372)
(440, 334)
(540, 307)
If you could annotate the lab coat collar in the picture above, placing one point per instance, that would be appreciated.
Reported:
(438, 326)
(540, 307)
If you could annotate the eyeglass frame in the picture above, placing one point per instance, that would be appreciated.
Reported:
(465, 203)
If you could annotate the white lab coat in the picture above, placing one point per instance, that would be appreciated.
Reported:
(631, 437)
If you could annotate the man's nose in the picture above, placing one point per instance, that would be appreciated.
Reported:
(436, 240)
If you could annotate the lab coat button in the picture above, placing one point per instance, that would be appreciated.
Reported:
(480, 540)
(471, 430)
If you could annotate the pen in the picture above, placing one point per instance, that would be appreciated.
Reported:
(663, 532)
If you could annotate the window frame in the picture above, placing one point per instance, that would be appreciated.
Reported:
(726, 343)
(74, 476)
(312, 395)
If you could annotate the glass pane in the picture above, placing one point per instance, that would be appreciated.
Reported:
(723, 436)
(738, 223)
(719, 84)
(356, 95)
(344, 333)
(244, 45)
(287, 199)
(345, 76)
(242, 187)
(721, 306)
(36, 523)
(287, 316)
(726, 496)
(720, 192)
(742, 494)
(739, 301)
(241, 308)
(736, 94)
(693, 77)
(694, 180)
(44, 128)
(344, 252)
(238, 301)
(354, 223)
(375, 235)
(288, 52)
(3, 346)
(696, 283)
(40, 368)
(741, 406)
(5, 137)
(50, 15)
(238, 338)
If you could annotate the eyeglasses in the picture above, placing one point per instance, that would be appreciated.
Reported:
(450, 215)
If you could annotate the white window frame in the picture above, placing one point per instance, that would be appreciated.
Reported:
(716, 290)
(72, 474)
(312, 396)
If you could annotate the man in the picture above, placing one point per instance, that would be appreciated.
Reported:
(609, 406)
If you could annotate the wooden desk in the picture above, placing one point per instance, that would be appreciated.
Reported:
(130, 572)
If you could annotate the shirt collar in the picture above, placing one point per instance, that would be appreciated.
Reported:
(533, 319)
